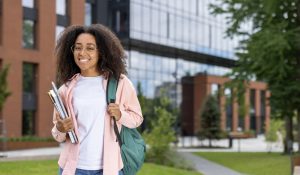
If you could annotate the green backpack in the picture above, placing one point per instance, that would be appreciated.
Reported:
(132, 145)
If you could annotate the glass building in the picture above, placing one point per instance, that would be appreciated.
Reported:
(168, 39)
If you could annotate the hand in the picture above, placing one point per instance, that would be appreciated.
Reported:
(64, 125)
(113, 110)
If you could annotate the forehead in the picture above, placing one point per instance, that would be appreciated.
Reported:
(85, 38)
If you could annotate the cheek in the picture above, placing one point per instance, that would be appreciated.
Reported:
(96, 58)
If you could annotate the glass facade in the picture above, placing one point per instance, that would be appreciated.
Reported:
(181, 24)
(154, 71)
(185, 25)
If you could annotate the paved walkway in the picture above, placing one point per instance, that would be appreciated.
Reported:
(207, 167)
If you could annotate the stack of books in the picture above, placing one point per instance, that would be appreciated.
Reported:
(59, 106)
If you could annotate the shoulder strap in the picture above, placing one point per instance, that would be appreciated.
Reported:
(111, 90)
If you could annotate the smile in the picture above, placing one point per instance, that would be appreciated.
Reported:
(83, 60)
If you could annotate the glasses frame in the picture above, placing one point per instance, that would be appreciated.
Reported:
(83, 49)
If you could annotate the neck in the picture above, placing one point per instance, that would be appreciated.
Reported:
(90, 74)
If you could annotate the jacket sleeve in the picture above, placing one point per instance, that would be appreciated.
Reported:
(131, 113)
(57, 135)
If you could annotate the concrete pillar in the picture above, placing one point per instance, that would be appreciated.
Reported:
(223, 109)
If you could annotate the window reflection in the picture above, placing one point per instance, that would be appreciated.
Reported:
(58, 30)
(61, 7)
(28, 34)
(153, 71)
(183, 24)
(88, 14)
(28, 3)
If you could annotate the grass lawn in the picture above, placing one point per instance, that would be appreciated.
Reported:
(251, 163)
(49, 167)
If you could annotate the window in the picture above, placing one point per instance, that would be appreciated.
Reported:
(28, 123)
(228, 96)
(252, 110)
(214, 89)
(28, 3)
(262, 110)
(88, 14)
(61, 7)
(58, 30)
(121, 21)
(29, 99)
(28, 34)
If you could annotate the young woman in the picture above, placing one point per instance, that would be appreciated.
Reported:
(87, 56)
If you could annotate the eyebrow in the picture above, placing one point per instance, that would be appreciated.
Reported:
(88, 44)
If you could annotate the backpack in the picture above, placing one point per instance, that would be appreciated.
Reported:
(131, 143)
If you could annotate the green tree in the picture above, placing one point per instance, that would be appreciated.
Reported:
(160, 136)
(210, 120)
(4, 92)
(159, 132)
(270, 52)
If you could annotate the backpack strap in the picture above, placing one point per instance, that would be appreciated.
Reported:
(111, 90)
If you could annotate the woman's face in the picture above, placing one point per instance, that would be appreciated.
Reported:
(86, 54)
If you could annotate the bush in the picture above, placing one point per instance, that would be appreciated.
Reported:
(160, 137)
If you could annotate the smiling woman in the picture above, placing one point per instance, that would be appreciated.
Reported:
(86, 57)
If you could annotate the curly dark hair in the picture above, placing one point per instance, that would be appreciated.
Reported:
(111, 53)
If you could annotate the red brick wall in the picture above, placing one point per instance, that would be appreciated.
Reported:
(12, 53)
(202, 87)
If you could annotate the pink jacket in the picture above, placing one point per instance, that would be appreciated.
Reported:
(131, 117)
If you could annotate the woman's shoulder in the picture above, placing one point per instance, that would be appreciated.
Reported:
(126, 81)
(69, 84)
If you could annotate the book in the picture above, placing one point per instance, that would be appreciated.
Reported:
(59, 106)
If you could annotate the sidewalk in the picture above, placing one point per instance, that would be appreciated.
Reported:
(257, 144)
(31, 154)
(207, 167)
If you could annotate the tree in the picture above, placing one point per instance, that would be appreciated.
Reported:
(270, 52)
(4, 92)
(210, 120)
(275, 133)
(160, 136)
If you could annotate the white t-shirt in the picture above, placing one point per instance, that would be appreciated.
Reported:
(89, 102)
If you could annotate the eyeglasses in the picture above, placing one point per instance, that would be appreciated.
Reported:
(79, 48)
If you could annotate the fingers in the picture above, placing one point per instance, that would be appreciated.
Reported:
(58, 117)
(64, 125)
(114, 110)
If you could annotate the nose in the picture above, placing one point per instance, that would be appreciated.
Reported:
(82, 51)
